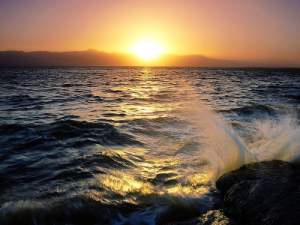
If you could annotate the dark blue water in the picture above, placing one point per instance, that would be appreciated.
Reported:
(116, 145)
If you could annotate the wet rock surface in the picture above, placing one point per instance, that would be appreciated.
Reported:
(215, 217)
(212, 217)
(264, 193)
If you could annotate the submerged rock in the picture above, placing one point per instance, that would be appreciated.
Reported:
(212, 217)
(264, 193)
(215, 217)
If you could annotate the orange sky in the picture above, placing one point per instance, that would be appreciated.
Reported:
(251, 30)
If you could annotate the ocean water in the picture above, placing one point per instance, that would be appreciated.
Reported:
(120, 145)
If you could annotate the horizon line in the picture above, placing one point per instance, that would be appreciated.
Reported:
(161, 67)
(10, 58)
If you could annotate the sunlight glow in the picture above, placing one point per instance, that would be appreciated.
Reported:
(148, 50)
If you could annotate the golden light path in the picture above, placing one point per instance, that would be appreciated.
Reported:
(137, 183)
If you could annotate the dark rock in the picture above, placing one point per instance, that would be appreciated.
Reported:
(264, 193)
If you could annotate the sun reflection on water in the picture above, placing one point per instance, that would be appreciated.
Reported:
(143, 183)
(140, 96)
(138, 103)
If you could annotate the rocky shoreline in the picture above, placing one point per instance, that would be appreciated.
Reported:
(263, 193)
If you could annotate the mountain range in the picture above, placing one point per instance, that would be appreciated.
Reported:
(98, 58)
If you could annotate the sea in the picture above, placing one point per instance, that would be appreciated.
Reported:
(120, 145)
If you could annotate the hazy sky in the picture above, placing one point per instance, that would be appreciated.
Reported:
(255, 30)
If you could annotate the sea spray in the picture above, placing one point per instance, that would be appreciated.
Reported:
(225, 150)
(220, 146)
(276, 139)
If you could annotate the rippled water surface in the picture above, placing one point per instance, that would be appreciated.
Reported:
(110, 145)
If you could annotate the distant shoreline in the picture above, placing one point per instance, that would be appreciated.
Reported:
(93, 58)
(152, 67)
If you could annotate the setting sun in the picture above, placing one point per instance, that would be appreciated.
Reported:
(148, 50)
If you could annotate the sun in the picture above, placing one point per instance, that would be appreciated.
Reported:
(148, 50)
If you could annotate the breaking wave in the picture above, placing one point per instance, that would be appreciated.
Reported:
(134, 146)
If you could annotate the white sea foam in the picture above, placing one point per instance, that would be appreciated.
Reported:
(219, 144)
(223, 148)
(277, 139)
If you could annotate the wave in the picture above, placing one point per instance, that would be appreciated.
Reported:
(76, 210)
(276, 139)
(293, 97)
(252, 109)
(63, 151)
(132, 173)
(276, 135)
(272, 138)
(220, 146)
(79, 210)
(76, 132)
